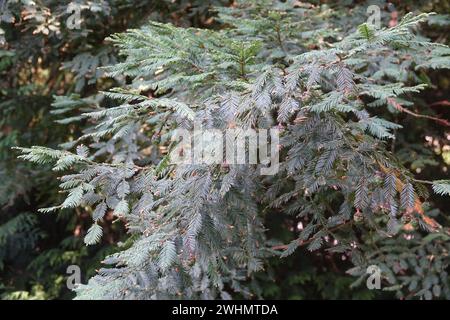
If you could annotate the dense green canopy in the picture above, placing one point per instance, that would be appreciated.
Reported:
(91, 93)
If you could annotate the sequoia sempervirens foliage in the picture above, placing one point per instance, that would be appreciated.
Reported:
(198, 230)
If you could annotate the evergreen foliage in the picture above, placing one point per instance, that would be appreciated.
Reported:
(341, 94)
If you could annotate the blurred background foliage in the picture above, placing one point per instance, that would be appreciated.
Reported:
(42, 56)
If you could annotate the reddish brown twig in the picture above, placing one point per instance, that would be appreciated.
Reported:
(441, 103)
(400, 108)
